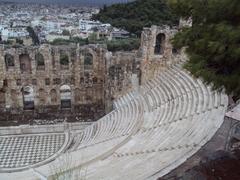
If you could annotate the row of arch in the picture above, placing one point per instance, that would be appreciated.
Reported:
(64, 95)
(25, 61)
(29, 96)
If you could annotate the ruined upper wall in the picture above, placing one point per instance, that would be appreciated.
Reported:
(156, 51)
(72, 58)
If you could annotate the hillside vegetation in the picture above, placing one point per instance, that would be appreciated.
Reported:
(135, 15)
(114, 45)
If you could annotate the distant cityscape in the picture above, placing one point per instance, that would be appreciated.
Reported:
(23, 23)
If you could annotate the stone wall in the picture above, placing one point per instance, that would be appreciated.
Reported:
(38, 80)
(156, 53)
(123, 73)
(77, 83)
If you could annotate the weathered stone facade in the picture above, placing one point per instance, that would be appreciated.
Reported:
(156, 50)
(52, 81)
(80, 83)
(123, 73)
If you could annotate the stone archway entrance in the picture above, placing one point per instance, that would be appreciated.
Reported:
(65, 96)
(28, 98)
(25, 63)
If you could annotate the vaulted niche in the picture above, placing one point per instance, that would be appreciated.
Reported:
(9, 61)
(65, 96)
(28, 98)
(40, 61)
(64, 60)
(160, 44)
(88, 61)
(25, 63)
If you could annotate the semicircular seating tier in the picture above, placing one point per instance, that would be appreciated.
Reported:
(150, 132)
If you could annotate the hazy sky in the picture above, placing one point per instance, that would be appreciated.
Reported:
(89, 2)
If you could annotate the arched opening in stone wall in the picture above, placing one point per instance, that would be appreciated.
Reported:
(88, 61)
(2, 99)
(28, 97)
(65, 96)
(40, 61)
(42, 96)
(160, 44)
(64, 60)
(5, 82)
(9, 61)
(53, 96)
(25, 63)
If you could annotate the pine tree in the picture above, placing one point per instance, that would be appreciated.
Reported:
(213, 41)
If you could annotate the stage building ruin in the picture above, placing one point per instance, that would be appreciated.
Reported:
(78, 83)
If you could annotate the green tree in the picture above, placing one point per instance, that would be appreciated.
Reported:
(19, 41)
(92, 37)
(123, 44)
(64, 60)
(74, 40)
(213, 41)
(66, 32)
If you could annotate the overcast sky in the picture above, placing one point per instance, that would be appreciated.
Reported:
(86, 2)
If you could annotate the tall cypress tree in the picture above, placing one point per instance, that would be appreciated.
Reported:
(33, 35)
